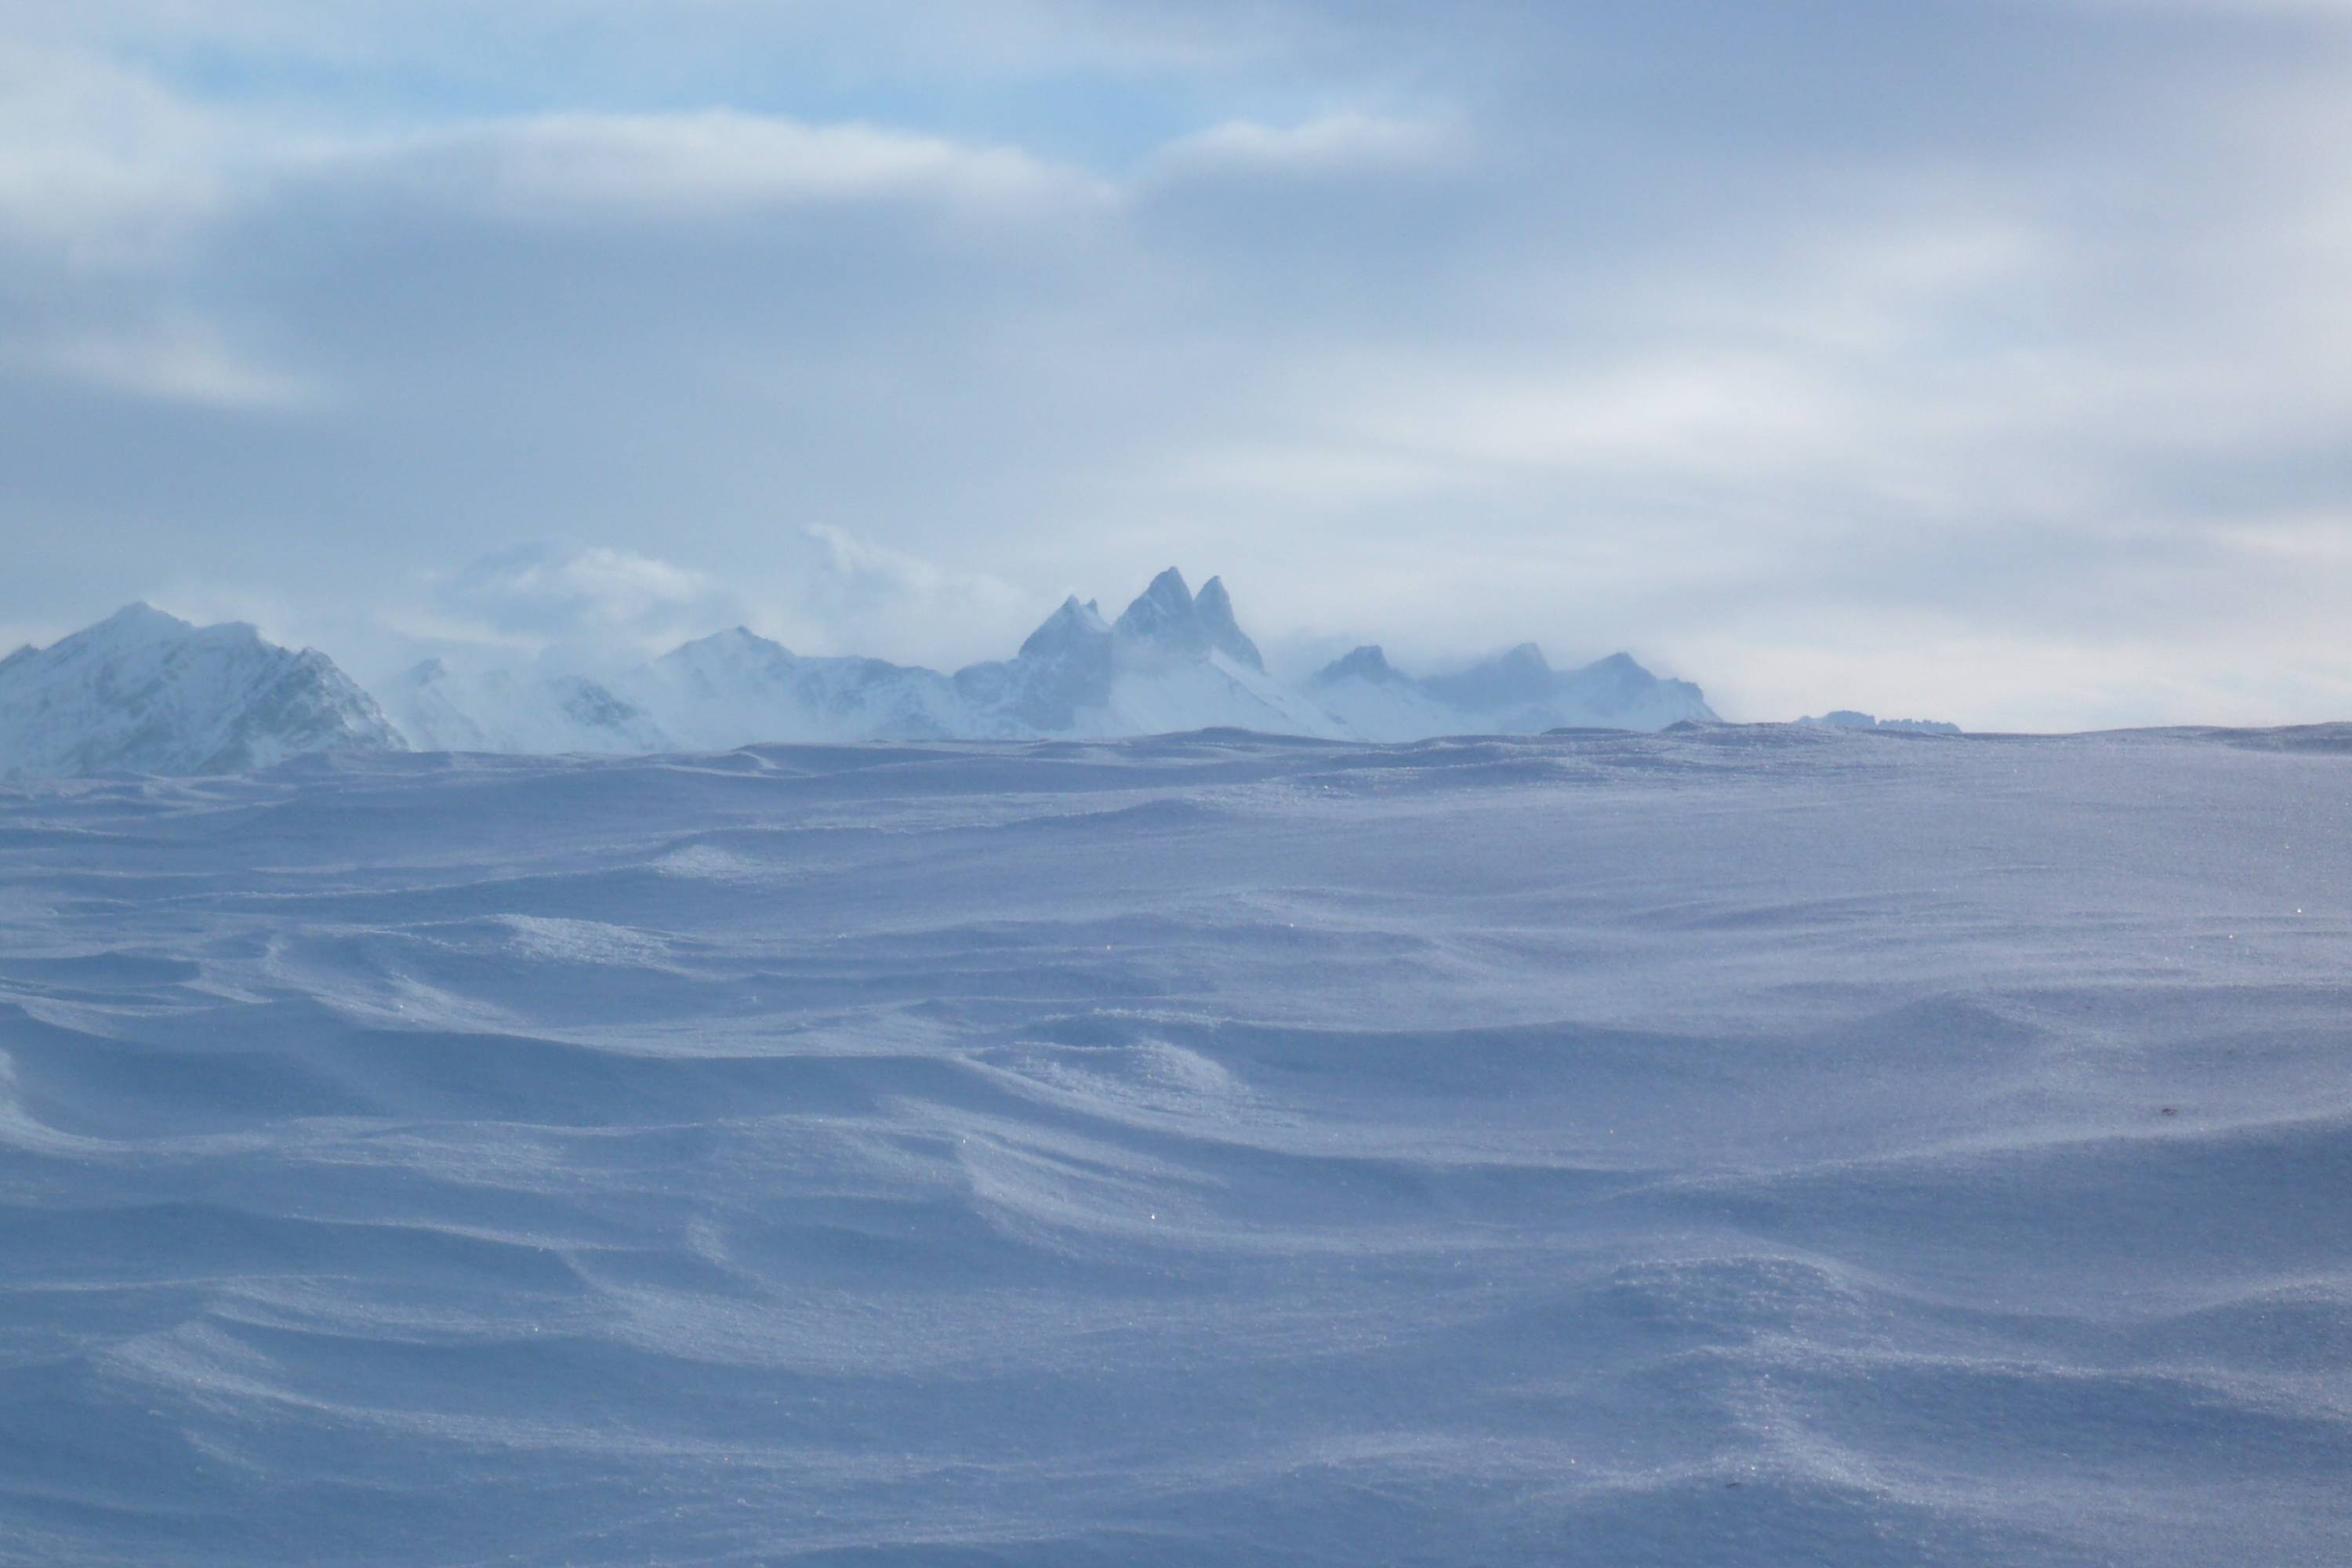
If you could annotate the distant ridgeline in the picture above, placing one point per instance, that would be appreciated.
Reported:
(1847, 719)
(146, 692)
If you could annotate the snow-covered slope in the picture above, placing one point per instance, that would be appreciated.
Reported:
(1059, 682)
(442, 710)
(1173, 661)
(736, 688)
(1760, 1146)
(148, 693)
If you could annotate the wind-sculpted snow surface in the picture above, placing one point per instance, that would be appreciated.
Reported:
(1729, 1146)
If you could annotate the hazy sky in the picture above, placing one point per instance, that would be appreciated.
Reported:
(1989, 360)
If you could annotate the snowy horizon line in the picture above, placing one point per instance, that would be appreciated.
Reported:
(567, 653)
(145, 690)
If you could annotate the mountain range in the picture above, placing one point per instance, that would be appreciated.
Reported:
(146, 691)
(1847, 719)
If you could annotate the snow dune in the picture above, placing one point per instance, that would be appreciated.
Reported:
(1741, 1145)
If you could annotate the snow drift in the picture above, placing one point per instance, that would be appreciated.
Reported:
(1735, 1145)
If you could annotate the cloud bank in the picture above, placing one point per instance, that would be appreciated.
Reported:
(1994, 364)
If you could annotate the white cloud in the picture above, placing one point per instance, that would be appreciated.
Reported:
(1333, 143)
(842, 594)
(1816, 351)
(1018, 38)
(711, 162)
(1309, 477)
(2319, 10)
(556, 595)
(101, 166)
(176, 359)
(829, 592)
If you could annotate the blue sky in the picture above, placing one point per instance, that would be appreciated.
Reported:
(1987, 361)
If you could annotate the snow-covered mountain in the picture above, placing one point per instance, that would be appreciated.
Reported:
(1847, 719)
(148, 693)
(737, 688)
(1062, 674)
(442, 710)
(1512, 693)
(1172, 660)
(144, 690)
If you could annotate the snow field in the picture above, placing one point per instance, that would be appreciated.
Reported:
(1756, 1145)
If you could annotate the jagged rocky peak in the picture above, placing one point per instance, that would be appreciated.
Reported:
(1525, 656)
(1619, 673)
(734, 645)
(723, 661)
(1164, 618)
(1073, 624)
(1169, 622)
(1214, 607)
(1367, 663)
(1063, 671)
(1517, 676)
